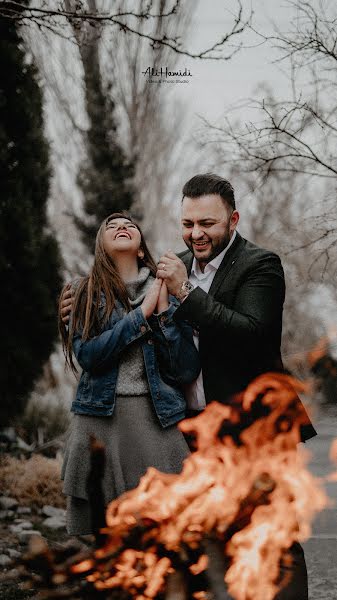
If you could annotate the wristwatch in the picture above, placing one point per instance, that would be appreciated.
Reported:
(186, 288)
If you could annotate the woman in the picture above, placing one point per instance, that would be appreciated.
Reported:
(135, 360)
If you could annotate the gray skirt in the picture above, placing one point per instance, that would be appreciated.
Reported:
(134, 440)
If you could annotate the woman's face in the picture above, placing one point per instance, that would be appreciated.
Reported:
(121, 235)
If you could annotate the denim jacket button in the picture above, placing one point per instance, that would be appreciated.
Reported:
(162, 319)
(142, 329)
(150, 341)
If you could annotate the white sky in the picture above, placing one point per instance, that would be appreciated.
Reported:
(217, 84)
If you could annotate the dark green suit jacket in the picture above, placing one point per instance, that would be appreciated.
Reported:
(239, 320)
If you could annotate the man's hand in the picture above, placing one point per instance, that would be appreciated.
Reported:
(173, 271)
(66, 300)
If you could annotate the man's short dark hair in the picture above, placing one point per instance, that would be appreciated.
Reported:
(209, 183)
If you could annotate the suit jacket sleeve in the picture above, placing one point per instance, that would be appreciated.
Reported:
(256, 308)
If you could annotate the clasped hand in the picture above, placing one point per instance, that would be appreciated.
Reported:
(156, 299)
(171, 274)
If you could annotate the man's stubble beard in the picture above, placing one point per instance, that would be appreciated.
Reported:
(215, 250)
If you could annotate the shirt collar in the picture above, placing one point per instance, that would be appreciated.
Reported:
(214, 264)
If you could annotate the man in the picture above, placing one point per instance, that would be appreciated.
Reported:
(232, 292)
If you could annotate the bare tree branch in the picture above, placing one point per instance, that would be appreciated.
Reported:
(285, 159)
(57, 21)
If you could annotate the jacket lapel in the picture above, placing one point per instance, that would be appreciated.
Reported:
(228, 261)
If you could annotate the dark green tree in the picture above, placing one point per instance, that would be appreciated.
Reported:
(29, 255)
(105, 177)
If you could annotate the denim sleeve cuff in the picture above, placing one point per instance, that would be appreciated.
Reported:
(166, 314)
(140, 323)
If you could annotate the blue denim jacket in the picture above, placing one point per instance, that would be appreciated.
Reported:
(170, 357)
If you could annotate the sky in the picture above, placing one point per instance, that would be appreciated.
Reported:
(215, 85)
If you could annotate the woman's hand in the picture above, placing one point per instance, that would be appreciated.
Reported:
(163, 301)
(151, 299)
(66, 303)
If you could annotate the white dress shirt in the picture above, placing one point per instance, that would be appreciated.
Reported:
(195, 395)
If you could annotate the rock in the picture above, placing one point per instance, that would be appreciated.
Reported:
(54, 522)
(8, 435)
(15, 529)
(51, 511)
(3, 514)
(22, 524)
(21, 444)
(13, 553)
(7, 503)
(5, 560)
(24, 510)
(10, 514)
(25, 534)
(14, 574)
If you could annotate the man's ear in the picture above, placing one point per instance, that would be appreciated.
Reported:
(234, 220)
(141, 253)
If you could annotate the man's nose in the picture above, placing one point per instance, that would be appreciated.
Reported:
(121, 226)
(197, 233)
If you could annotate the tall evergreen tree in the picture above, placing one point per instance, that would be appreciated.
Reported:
(105, 177)
(29, 255)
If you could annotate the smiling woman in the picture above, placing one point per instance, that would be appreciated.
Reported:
(135, 362)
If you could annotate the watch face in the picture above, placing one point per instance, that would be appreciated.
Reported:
(187, 287)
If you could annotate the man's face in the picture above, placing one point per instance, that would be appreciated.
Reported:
(207, 226)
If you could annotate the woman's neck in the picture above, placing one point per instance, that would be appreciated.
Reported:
(127, 266)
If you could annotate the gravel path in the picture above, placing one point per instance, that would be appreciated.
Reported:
(321, 548)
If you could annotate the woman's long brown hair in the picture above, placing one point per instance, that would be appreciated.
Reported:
(105, 279)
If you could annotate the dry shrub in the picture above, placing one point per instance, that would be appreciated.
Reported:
(34, 481)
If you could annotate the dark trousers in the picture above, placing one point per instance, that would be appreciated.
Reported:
(297, 588)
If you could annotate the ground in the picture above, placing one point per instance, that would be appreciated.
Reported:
(321, 548)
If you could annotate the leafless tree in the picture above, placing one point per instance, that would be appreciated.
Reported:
(296, 137)
(298, 134)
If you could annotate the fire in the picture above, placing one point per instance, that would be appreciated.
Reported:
(245, 493)
(256, 497)
(83, 566)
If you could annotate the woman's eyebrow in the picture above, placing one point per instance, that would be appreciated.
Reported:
(113, 222)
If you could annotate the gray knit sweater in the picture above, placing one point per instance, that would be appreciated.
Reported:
(132, 379)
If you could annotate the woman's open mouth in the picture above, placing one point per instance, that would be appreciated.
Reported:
(123, 234)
